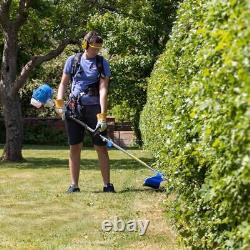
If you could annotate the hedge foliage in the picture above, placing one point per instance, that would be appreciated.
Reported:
(197, 122)
(43, 133)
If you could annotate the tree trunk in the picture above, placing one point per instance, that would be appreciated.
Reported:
(14, 129)
(12, 18)
(10, 102)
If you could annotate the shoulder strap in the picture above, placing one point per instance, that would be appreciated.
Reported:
(75, 64)
(99, 65)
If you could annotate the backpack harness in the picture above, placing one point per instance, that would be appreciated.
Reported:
(93, 89)
(74, 104)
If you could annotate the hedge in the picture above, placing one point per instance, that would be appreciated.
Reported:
(197, 122)
(43, 132)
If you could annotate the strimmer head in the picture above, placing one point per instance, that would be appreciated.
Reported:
(154, 181)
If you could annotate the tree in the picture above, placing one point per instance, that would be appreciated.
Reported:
(135, 34)
(42, 28)
(53, 33)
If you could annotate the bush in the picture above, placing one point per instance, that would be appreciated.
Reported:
(123, 112)
(44, 133)
(199, 102)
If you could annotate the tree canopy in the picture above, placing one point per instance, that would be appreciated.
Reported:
(134, 35)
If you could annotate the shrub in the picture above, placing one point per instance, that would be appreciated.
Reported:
(123, 112)
(43, 133)
(199, 102)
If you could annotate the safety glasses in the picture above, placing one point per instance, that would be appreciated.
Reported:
(95, 47)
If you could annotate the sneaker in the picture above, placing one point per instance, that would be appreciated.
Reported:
(73, 189)
(109, 189)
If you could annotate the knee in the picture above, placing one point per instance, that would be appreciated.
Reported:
(101, 149)
(74, 149)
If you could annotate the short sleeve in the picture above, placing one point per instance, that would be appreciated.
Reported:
(106, 68)
(68, 65)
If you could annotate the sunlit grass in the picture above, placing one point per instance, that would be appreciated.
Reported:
(36, 213)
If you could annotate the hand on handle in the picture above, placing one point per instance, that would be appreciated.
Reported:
(101, 122)
(60, 108)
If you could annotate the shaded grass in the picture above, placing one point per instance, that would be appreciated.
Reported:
(48, 162)
(35, 212)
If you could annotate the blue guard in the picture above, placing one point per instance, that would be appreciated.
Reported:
(154, 181)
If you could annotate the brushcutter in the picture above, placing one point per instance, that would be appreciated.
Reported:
(153, 182)
(42, 97)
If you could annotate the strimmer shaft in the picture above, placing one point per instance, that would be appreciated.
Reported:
(114, 144)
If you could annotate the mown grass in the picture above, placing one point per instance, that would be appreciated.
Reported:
(36, 213)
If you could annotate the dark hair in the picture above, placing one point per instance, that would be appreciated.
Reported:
(93, 37)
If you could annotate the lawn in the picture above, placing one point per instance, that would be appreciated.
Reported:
(36, 213)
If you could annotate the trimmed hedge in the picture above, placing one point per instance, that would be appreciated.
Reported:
(197, 122)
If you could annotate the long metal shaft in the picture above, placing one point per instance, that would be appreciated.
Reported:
(114, 144)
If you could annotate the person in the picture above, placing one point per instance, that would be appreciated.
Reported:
(90, 88)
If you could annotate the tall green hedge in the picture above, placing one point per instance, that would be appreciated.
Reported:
(197, 122)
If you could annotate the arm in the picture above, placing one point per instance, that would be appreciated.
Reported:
(59, 103)
(101, 117)
(103, 91)
(62, 86)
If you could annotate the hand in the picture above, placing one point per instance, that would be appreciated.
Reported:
(60, 108)
(101, 122)
(49, 103)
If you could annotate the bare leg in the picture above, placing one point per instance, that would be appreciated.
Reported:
(74, 162)
(103, 157)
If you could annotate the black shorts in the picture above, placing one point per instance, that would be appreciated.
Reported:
(76, 132)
